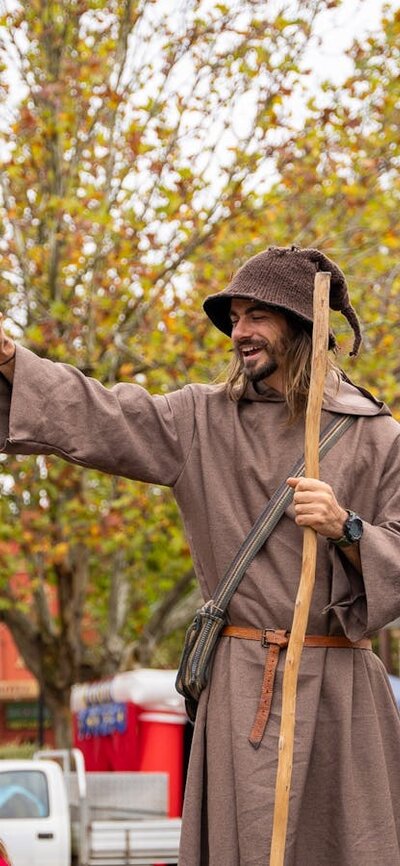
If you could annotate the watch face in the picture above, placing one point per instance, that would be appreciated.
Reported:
(353, 527)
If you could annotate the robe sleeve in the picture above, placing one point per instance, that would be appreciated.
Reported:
(365, 602)
(53, 408)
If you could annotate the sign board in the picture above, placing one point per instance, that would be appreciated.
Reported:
(18, 690)
(24, 714)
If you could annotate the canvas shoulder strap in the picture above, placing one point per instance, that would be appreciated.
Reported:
(268, 519)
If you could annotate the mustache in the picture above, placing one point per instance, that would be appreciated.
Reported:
(265, 344)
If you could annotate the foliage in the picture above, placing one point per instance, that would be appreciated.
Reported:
(18, 751)
(150, 155)
(339, 190)
(132, 161)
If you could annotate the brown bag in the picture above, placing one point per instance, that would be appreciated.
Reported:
(197, 655)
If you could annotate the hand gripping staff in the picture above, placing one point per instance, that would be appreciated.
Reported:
(320, 338)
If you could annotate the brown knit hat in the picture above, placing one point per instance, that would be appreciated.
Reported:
(284, 277)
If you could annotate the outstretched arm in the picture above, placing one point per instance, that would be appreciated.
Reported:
(53, 408)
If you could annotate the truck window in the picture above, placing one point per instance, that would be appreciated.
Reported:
(23, 794)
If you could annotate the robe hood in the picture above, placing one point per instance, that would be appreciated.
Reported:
(341, 397)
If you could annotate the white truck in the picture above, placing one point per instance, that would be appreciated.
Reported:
(54, 813)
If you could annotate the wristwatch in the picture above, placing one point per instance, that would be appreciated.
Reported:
(352, 530)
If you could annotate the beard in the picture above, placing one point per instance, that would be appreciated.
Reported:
(263, 372)
(271, 364)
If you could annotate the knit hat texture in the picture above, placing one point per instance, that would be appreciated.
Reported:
(284, 277)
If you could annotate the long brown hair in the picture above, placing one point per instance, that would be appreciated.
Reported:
(296, 370)
(4, 854)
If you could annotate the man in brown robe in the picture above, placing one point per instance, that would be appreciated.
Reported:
(224, 450)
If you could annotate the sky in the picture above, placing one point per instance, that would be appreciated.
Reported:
(337, 29)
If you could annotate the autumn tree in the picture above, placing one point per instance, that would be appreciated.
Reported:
(338, 188)
(133, 149)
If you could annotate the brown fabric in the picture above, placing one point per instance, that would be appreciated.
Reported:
(222, 461)
(274, 641)
(284, 277)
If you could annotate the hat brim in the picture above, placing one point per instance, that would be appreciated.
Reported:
(218, 307)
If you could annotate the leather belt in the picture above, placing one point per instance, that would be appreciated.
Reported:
(274, 640)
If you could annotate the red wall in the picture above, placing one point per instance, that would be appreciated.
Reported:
(19, 695)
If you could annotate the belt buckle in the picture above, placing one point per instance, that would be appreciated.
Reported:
(264, 637)
(280, 638)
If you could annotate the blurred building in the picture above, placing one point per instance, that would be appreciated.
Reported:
(21, 714)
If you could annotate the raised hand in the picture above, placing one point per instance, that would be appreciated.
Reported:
(7, 349)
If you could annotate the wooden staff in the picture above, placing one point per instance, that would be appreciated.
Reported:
(307, 578)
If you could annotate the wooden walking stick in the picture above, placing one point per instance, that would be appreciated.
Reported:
(307, 578)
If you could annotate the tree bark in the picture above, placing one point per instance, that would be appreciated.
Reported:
(61, 718)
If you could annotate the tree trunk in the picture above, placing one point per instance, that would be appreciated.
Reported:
(61, 719)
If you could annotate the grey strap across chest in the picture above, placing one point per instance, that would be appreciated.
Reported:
(268, 519)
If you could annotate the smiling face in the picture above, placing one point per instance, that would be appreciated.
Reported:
(260, 336)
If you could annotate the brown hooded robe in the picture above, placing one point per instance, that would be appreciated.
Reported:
(223, 460)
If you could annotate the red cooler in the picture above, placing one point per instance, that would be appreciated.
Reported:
(161, 750)
(136, 721)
